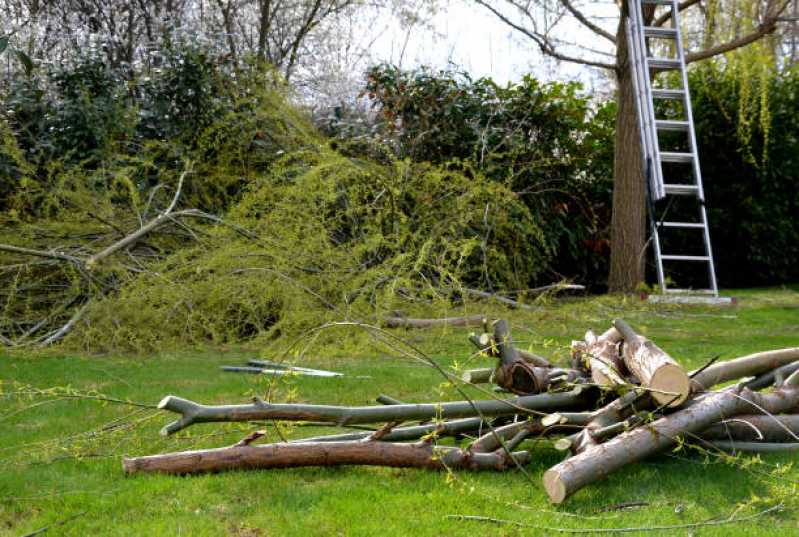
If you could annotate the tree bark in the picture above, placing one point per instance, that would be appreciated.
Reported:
(628, 223)
(656, 370)
(781, 428)
(192, 412)
(751, 364)
(596, 462)
(290, 455)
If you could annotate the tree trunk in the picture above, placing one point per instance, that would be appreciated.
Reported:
(628, 225)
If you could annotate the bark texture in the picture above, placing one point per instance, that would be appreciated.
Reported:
(600, 460)
(628, 222)
(292, 455)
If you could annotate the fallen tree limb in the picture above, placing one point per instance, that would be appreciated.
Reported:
(599, 460)
(289, 455)
(756, 427)
(192, 412)
(745, 366)
(656, 370)
(499, 298)
(407, 322)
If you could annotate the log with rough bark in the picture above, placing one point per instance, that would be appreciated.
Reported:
(754, 427)
(398, 321)
(745, 366)
(192, 412)
(291, 455)
(600, 460)
(657, 371)
(517, 375)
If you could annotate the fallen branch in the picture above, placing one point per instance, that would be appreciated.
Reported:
(407, 322)
(745, 366)
(656, 370)
(599, 460)
(291, 455)
(633, 529)
(192, 412)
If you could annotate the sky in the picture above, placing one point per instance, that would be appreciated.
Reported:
(468, 36)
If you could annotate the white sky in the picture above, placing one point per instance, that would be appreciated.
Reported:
(468, 36)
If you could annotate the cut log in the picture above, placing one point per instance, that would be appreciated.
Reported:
(259, 410)
(477, 376)
(394, 321)
(745, 366)
(292, 455)
(751, 428)
(598, 461)
(657, 371)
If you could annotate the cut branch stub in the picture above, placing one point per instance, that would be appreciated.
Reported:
(600, 355)
(656, 370)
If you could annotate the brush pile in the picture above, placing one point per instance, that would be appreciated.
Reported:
(621, 400)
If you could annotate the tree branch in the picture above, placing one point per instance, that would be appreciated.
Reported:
(588, 24)
(543, 42)
(660, 21)
(768, 26)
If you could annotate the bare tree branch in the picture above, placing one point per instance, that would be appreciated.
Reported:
(587, 23)
(543, 42)
(685, 4)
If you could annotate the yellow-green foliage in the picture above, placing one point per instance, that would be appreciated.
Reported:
(337, 238)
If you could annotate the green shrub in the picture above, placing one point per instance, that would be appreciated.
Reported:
(752, 185)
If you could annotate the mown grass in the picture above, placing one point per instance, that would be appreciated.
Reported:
(60, 457)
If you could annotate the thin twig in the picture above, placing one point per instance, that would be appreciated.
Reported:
(670, 527)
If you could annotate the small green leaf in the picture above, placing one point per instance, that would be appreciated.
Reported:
(27, 63)
(4, 43)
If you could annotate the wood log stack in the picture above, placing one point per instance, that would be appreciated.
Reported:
(622, 399)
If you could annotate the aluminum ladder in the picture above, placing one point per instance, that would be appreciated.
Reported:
(643, 64)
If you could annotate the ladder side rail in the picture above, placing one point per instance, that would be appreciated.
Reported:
(658, 190)
(695, 149)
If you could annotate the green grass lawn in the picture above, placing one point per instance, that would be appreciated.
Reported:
(60, 457)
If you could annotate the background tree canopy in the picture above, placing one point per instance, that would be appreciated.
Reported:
(443, 183)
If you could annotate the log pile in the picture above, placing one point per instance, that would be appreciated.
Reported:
(620, 400)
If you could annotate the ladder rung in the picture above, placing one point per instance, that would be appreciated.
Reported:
(662, 33)
(694, 225)
(675, 94)
(671, 125)
(685, 258)
(680, 189)
(663, 63)
(669, 156)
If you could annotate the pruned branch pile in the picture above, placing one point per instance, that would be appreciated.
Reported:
(622, 399)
